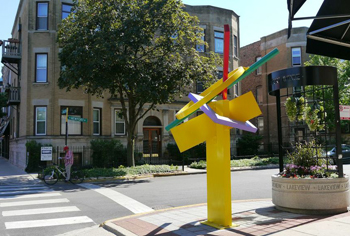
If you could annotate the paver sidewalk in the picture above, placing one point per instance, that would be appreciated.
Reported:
(258, 217)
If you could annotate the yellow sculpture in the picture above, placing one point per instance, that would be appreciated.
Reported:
(213, 127)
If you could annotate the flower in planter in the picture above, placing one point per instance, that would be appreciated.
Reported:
(306, 162)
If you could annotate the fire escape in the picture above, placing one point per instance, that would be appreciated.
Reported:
(11, 58)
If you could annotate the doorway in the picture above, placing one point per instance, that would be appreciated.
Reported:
(151, 142)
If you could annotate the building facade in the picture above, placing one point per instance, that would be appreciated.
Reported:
(292, 54)
(37, 107)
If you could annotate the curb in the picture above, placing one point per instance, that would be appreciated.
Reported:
(117, 230)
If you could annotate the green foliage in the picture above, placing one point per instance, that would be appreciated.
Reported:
(295, 108)
(249, 144)
(307, 154)
(199, 165)
(103, 172)
(149, 169)
(107, 153)
(34, 159)
(343, 72)
(197, 152)
(254, 161)
(144, 51)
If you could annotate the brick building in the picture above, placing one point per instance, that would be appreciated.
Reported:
(36, 104)
(292, 53)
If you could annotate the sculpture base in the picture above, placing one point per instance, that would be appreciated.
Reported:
(217, 226)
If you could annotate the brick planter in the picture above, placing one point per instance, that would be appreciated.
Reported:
(311, 196)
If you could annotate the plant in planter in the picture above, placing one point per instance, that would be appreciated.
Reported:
(306, 162)
(309, 185)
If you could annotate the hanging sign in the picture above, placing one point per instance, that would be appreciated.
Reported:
(46, 153)
(344, 112)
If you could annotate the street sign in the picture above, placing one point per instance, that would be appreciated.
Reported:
(344, 112)
(46, 153)
(77, 119)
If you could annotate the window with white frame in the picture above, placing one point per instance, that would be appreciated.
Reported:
(41, 67)
(74, 127)
(219, 41)
(235, 46)
(236, 90)
(42, 15)
(261, 124)
(296, 56)
(96, 120)
(66, 10)
(40, 120)
(258, 71)
(119, 123)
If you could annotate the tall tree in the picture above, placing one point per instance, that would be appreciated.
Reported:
(139, 51)
(343, 73)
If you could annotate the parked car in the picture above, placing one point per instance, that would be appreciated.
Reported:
(345, 151)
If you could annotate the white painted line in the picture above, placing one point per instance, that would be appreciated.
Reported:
(24, 192)
(44, 194)
(40, 211)
(35, 202)
(23, 188)
(125, 201)
(47, 222)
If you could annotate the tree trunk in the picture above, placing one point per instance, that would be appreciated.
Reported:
(130, 149)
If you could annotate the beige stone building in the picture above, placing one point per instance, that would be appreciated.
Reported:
(37, 106)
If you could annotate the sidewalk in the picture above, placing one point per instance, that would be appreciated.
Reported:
(10, 174)
(256, 217)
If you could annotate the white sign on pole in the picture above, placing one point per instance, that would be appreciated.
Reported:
(46, 153)
(344, 112)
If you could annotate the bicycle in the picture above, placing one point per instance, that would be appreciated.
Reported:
(76, 177)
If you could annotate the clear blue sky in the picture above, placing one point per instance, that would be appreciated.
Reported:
(258, 18)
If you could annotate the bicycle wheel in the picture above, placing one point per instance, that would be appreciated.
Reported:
(51, 178)
(76, 177)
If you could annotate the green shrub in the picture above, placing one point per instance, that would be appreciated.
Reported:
(34, 159)
(249, 144)
(199, 165)
(108, 153)
(197, 152)
(148, 169)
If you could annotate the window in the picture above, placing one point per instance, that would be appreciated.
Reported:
(219, 41)
(40, 120)
(296, 56)
(201, 47)
(220, 75)
(66, 10)
(199, 87)
(41, 68)
(42, 12)
(259, 97)
(261, 125)
(96, 121)
(236, 90)
(258, 71)
(119, 123)
(74, 127)
(235, 46)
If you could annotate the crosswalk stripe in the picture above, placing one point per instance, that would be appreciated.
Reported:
(35, 202)
(125, 201)
(44, 194)
(47, 222)
(40, 211)
(23, 192)
(23, 188)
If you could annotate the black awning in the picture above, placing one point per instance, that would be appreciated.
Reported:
(3, 127)
(329, 33)
(293, 7)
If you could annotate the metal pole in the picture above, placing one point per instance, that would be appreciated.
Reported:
(66, 126)
(338, 129)
(279, 128)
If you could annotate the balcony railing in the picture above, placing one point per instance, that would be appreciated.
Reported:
(14, 95)
(11, 51)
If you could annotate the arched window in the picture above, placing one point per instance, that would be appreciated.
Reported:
(152, 121)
